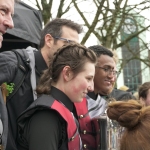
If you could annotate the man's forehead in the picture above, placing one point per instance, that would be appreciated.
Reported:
(8, 4)
(105, 60)
(12, 7)
(70, 34)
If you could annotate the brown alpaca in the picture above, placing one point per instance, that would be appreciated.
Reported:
(136, 120)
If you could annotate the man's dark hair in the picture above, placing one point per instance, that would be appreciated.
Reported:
(101, 50)
(54, 28)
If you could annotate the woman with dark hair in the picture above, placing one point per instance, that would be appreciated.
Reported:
(50, 123)
(136, 120)
(144, 93)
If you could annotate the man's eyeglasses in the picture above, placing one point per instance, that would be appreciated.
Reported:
(109, 71)
(63, 39)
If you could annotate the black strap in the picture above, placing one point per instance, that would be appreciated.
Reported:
(23, 66)
(103, 133)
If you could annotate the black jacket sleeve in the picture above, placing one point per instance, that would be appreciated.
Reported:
(8, 66)
(44, 131)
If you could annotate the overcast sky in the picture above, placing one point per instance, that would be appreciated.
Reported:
(89, 8)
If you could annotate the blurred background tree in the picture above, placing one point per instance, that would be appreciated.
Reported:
(115, 24)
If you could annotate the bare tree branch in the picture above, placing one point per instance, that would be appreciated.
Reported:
(107, 22)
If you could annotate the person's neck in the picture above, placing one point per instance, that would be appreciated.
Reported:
(45, 55)
(92, 95)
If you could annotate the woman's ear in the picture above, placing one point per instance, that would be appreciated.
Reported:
(67, 73)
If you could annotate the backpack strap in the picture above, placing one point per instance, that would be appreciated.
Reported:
(26, 62)
(30, 52)
(23, 67)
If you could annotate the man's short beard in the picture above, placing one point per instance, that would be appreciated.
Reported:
(105, 93)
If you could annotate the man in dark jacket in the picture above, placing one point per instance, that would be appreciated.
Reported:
(55, 34)
(6, 22)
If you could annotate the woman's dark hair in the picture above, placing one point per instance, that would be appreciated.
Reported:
(73, 55)
(136, 119)
(143, 90)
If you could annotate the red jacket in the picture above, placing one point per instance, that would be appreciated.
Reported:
(86, 130)
(51, 103)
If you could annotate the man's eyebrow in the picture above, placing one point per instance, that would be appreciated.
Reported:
(108, 66)
(6, 7)
(3, 6)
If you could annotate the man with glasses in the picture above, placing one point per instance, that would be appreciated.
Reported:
(105, 77)
(95, 105)
(54, 35)
(63, 39)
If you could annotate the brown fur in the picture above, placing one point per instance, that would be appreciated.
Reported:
(136, 120)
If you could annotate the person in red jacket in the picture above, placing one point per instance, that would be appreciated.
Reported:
(94, 104)
(50, 122)
(23, 68)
